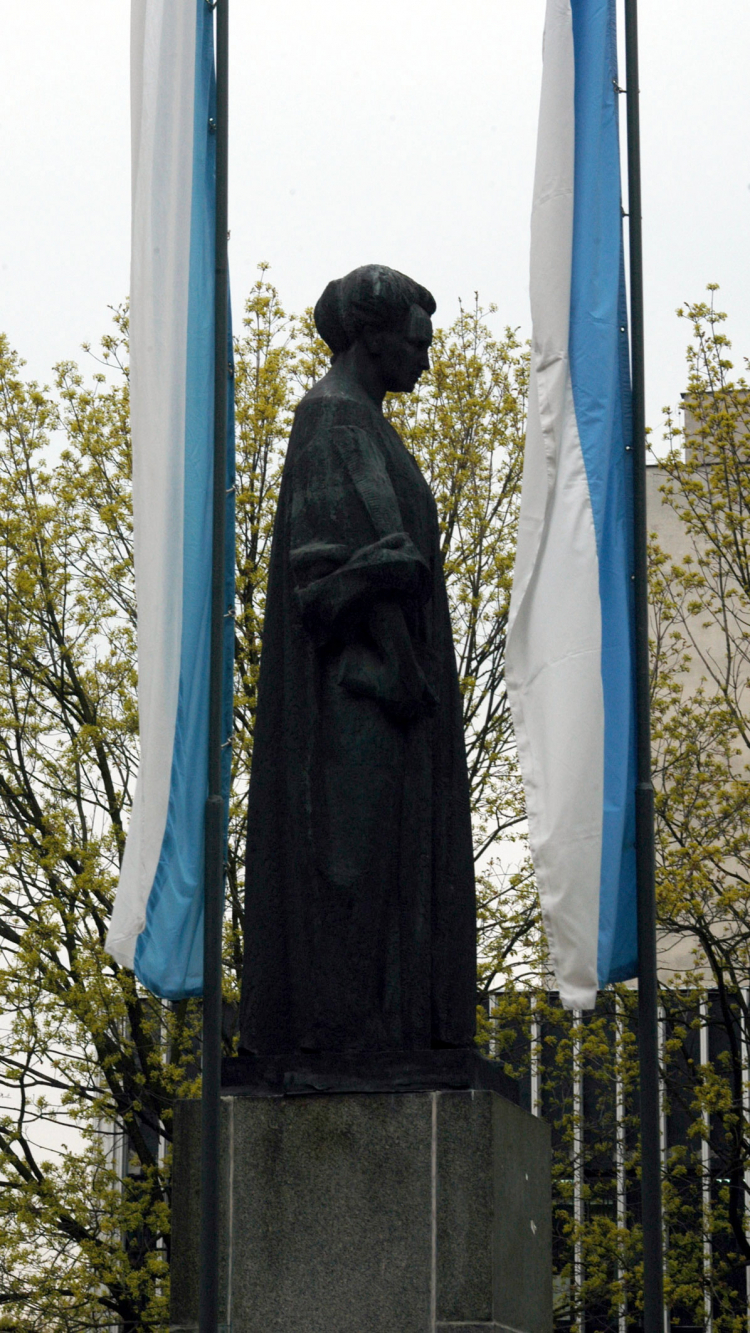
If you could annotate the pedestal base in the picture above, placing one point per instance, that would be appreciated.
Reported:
(415, 1212)
(381, 1071)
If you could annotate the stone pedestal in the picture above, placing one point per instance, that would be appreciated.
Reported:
(415, 1212)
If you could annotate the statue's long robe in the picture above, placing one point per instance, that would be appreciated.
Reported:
(360, 903)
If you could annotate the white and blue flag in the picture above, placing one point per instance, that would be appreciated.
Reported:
(157, 922)
(570, 636)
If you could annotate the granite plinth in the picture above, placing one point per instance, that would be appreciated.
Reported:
(409, 1212)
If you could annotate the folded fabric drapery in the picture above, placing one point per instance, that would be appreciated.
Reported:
(157, 922)
(569, 660)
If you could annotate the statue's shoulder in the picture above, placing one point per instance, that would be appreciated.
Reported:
(328, 405)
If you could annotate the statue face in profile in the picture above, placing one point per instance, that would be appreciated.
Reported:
(403, 352)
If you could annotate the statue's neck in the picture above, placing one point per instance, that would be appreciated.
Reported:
(359, 373)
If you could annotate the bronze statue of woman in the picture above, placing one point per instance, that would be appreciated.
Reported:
(360, 905)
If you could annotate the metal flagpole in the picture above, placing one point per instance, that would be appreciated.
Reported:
(214, 854)
(648, 1049)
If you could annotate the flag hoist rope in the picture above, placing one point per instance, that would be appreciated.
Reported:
(215, 814)
(648, 1049)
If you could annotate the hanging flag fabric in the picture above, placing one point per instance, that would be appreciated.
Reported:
(569, 661)
(157, 922)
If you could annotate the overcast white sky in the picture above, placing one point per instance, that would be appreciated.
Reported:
(400, 131)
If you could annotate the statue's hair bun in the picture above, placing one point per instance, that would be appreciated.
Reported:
(369, 297)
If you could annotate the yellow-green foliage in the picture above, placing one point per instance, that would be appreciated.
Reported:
(700, 607)
(701, 745)
(81, 1043)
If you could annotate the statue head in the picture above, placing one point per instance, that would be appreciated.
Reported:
(384, 318)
